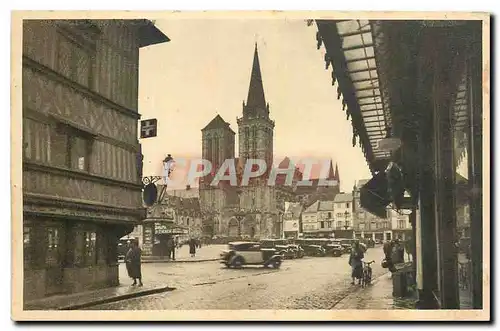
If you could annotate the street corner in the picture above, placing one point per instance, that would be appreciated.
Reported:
(97, 297)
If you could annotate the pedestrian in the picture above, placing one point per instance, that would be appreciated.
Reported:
(192, 247)
(355, 261)
(398, 253)
(388, 246)
(133, 262)
(171, 248)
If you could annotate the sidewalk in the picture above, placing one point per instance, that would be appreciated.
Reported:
(203, 254)
(92, 298)
(377, 296)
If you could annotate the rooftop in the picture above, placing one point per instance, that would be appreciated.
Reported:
(325, 205)
(343, 197)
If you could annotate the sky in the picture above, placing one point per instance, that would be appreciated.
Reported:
(205, 70)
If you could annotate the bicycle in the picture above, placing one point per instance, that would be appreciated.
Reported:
(367, 273)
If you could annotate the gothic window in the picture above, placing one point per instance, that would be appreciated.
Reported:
(208, 141)
(70, 148)
(246, 138)
(254, 137)
(216, 150)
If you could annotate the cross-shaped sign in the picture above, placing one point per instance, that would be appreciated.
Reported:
(149, 128)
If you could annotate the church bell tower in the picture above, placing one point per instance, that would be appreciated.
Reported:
(255, 128)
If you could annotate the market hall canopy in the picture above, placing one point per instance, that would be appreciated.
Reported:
(351, 50)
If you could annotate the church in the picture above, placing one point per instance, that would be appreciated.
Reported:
(252, 211)
(256, 210)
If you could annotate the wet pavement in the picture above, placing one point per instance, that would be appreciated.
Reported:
(309, 283)
(376, 296)
(91, 298)
(205, 253)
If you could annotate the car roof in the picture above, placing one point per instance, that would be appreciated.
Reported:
(242, 242)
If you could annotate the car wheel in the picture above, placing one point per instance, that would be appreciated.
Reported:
(238, 262)
(276, 264)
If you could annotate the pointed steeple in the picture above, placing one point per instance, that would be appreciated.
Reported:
(256, 97)
(331, 174)
(337, 176)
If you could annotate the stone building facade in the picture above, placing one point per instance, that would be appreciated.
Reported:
(249, 211)
(81, 184)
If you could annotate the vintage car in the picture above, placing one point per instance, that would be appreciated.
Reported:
(314, 250)
(334, 248)
(286, 251)
(346, 245)
(299, 251)
(243, 253)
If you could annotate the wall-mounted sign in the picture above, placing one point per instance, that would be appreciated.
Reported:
(167, 228)
(150, 194)
(149, 128)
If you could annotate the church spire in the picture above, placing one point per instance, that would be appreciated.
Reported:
(337, 176)
(256, 97)
(331, 174)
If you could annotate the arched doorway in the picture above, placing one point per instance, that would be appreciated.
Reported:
(233, 228)
(248, 226)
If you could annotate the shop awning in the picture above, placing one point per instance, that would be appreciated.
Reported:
(374, 195)
(350, 48)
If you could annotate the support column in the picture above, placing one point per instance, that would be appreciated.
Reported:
(427, 254)
(444, 87)
(475, 158)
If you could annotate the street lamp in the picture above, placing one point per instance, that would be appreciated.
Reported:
(167, 167)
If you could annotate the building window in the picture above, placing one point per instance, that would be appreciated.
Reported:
(329, 215)
(361, 226)
(347, 205)
(339, 224)
(401, 224)
(89, 249)
(329, 224)
(70, 148)
(52, 257)
(322, 225)
(27, 244)
(340, 215)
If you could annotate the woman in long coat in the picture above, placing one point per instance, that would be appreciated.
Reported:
(192, 247)
(133, 263)
(355, 261)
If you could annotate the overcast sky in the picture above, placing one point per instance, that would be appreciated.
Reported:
(205, 70)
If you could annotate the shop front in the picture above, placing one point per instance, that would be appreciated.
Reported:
(416, 108)
(159, 235)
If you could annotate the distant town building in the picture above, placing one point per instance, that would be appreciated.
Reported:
(368, 225)
(292, 220)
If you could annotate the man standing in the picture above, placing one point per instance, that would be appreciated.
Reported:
(171, 248)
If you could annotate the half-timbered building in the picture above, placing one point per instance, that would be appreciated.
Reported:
(81, 178)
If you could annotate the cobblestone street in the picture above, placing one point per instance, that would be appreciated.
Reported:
(309, 283)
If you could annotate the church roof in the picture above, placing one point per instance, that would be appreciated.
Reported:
(256, 90)
(218, 123)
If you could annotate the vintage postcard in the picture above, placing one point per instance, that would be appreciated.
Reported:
(250, 166)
